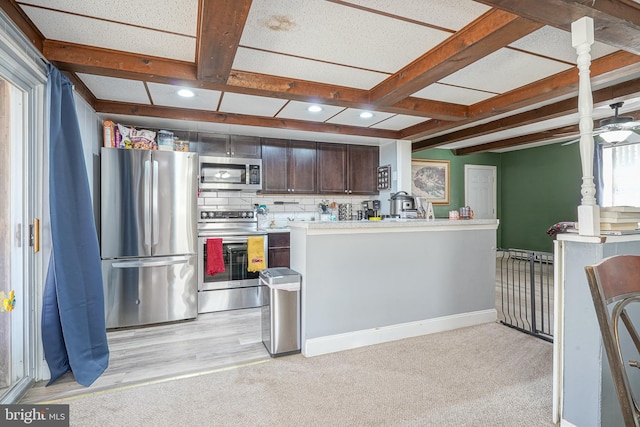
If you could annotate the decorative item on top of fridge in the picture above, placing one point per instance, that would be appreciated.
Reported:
(117, 135)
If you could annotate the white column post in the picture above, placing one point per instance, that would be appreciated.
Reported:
(588, 211)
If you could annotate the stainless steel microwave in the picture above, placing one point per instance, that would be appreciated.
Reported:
(230, 173)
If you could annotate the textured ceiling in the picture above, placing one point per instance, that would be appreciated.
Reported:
(467, 75)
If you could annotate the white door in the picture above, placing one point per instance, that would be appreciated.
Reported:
(13, 240)
(480, 192)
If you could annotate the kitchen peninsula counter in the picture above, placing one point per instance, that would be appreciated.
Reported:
(393, 225)
(367, 282)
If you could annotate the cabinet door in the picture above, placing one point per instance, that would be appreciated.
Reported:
(279, 250)
(279, 257)
(332, 168)
(302, 167)
(213, 144)
(244, 146)
(363, 165)
(274, 165)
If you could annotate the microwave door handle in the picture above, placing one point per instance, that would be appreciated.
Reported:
(154, 206)
(147, 202)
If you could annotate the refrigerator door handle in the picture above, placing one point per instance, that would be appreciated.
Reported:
(147, 203)
(154, 207)
(148, 263)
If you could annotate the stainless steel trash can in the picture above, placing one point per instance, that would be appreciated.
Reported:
(280, 315)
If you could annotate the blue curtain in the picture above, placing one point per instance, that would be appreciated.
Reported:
(73, 326)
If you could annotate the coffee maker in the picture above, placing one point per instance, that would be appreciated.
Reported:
(370, 209)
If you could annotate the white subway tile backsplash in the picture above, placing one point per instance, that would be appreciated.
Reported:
(305, 208)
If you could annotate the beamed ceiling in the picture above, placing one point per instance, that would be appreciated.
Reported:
(471, 76)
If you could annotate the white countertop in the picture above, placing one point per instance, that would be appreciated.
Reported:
(392, 225)
(605, 237)
(275, 229)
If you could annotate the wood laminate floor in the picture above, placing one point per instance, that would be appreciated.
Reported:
(138, 355)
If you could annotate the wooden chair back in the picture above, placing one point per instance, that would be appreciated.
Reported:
(615, 283)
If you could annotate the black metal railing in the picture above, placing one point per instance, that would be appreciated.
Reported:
(524, 291)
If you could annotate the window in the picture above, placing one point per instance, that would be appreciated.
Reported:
(621, 175)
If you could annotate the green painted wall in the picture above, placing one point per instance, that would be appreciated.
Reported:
(537, 187)
(456, 176)
(540, 187)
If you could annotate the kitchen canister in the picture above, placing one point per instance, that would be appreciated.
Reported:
(344, 212)
(165, 140)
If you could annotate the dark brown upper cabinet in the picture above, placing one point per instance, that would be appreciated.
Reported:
(347, 169)
(288, 167)
(215, 144)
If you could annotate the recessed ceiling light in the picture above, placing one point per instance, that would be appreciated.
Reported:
(186, 93)
(314, 109)
(366, 115)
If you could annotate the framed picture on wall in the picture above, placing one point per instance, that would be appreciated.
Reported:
(430, 180)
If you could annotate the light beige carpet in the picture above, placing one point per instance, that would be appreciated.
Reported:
(487, 375)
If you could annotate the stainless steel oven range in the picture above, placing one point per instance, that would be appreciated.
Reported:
(236, 287)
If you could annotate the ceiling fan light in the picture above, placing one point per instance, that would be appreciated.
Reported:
(614, 136)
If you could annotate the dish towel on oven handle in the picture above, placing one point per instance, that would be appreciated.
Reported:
(215, 260)
(255, 253)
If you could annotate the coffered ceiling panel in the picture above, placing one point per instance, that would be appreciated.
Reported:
(111, 35)
(167, 95)
(179, 17)
(115, 89)
(325, 31)
(249, 104)
(352, 117)
(305, 69)
(398, 122)
(453, 94)
(300, 111)
(555, 43)
(453, 15)
(504, 70)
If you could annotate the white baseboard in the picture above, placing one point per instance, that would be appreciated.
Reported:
(347, 341)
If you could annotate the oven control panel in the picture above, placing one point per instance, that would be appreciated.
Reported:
(213, 215)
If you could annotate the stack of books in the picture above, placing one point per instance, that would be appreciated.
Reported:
(619, 218)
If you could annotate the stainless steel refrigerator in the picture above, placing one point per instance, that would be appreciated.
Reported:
(148, 236)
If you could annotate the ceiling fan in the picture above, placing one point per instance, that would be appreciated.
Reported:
(614, 130)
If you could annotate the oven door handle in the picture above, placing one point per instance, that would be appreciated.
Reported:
(231, 239)
(234, 240)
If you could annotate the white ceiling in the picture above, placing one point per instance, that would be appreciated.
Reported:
(344, 44)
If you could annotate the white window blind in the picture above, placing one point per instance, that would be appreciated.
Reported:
(621, 175)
